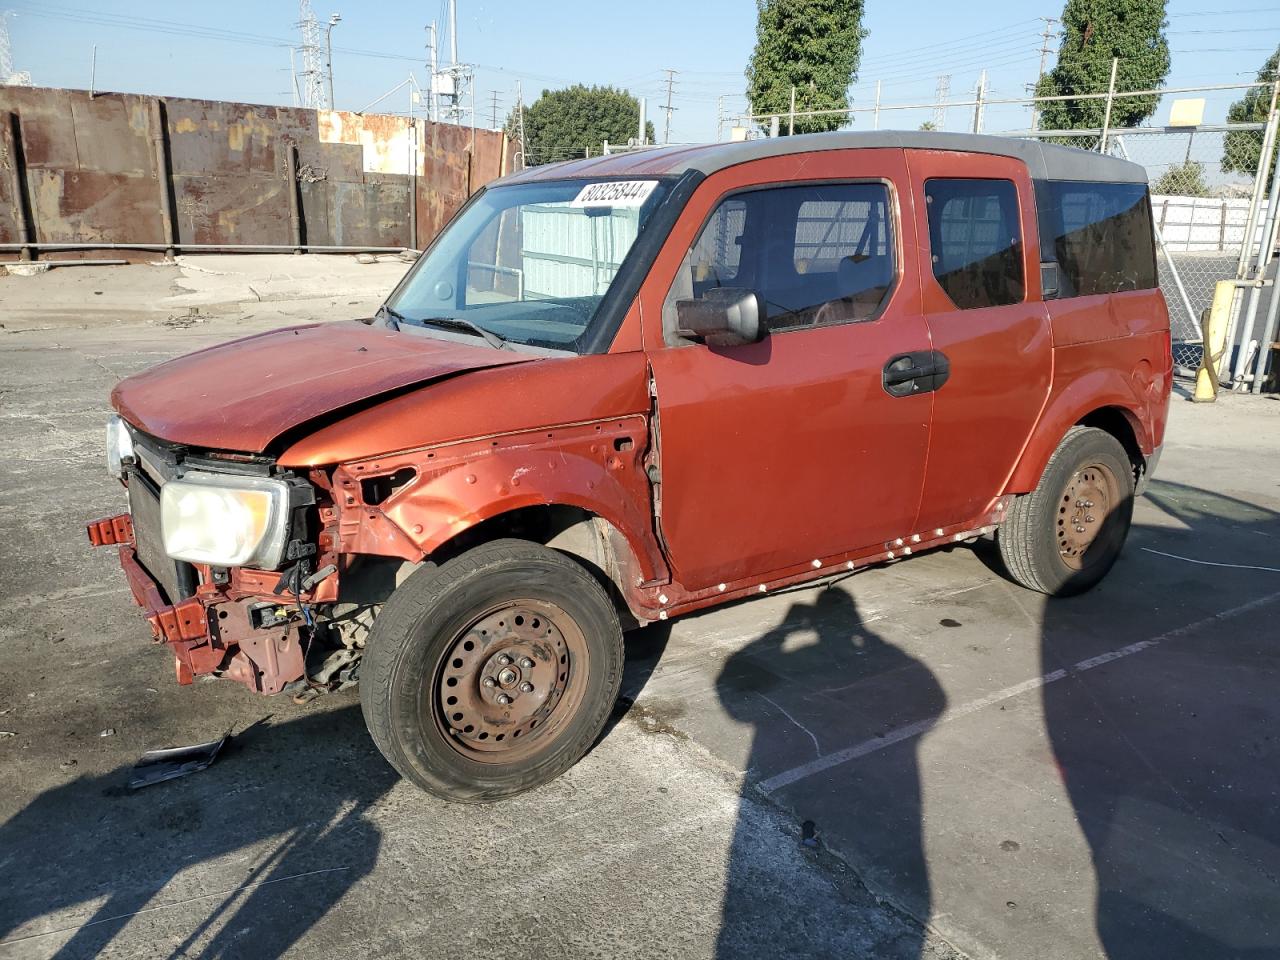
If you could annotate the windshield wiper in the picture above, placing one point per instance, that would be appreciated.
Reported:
(458, 323)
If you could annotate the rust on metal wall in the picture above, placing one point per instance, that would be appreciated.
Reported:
(90, 171)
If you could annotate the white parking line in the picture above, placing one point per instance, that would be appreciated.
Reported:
(910, 730)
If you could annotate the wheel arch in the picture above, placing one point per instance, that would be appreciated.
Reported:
(591, 539)
(1104, 402)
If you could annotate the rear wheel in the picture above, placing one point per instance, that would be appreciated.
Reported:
(492, 673)
(1062, 538)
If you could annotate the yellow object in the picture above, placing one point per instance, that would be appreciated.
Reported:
(1215, 342)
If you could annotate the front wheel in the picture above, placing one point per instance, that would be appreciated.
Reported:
(1063, 537)
(492, 673)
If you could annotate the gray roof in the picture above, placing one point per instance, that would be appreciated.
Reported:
(1045, 161)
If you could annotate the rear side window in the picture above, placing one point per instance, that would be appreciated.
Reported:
(975, 241)
(1099, 234)
(816, 254)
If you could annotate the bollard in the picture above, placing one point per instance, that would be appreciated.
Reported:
(1215, 342)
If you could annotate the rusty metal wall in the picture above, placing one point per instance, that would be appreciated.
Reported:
(126, 168)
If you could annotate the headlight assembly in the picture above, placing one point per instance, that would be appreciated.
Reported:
(226, 521)
(119, 445)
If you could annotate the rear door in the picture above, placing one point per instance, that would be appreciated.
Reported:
(778, 456)
(980, 287)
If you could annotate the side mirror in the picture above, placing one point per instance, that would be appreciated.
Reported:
(723, 317)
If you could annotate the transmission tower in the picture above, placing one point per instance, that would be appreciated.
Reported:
(314, 94)
(940, 97)
(8, 76)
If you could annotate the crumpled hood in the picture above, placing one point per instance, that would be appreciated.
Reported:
(244, 394)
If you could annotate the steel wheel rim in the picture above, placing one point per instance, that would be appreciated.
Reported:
(1084, 511)
(530, 652)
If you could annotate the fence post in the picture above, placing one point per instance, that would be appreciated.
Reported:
(1259, 182)
(1255, 290)
(11, 152)
(1106, 114)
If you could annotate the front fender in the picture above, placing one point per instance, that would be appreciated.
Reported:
(596, 467)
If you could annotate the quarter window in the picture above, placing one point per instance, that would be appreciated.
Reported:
(1099, 234)
(816, 255)
(975, 241)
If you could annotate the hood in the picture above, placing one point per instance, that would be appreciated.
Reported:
(244, 394)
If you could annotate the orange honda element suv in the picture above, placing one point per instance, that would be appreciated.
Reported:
(620, 389)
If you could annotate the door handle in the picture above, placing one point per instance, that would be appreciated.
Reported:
(910, 373)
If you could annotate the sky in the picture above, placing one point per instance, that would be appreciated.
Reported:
(240, 50)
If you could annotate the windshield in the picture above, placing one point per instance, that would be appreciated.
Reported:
(530, 263)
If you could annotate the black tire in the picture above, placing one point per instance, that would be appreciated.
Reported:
(439, 609)
(1040, 539)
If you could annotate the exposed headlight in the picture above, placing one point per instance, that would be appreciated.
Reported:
(119, 445)
(226, 521)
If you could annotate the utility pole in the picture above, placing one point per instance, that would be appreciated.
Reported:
(1044, 61)
(494, 106)
(334, 20)
(520, 124)
(431, 77)
(666, 130)
(979, 99)
(719, 117)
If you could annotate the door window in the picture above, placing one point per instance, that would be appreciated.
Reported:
(816, 255)
(975, 241)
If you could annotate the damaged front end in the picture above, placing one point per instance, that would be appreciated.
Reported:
(234, 562)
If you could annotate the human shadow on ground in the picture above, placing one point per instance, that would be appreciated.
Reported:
(822, 667)
(104, 853)
(1169, 757)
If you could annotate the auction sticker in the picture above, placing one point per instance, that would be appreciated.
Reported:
(614, 193)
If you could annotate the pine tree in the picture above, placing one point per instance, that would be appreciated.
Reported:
(1242, 149)
(1095, 32)
(812, 45)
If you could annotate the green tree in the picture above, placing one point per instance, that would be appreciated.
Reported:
(1094, 32)
(1242, 149)
(812, 45)
(565, 124)
(1182, 180)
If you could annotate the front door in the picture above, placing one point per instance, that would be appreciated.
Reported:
(777, 454)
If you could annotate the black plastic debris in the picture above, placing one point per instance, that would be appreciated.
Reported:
(808, 834)
(157, 766)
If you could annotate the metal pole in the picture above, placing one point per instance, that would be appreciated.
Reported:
(158, 136)
(1106, 114)
(791, 116)
(93, 70)
(453, 32)
(328, 43)
(242, 247)
(1251, 311)
(644, 110)
(10, 147)
(1269, 330)
(977, 102)
(1259, 182)
(876, 125)
(295, 207)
